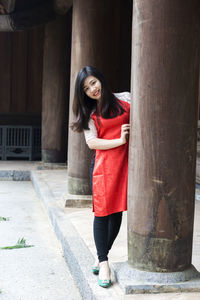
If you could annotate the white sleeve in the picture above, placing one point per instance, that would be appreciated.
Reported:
(124, 96)
(90, 133)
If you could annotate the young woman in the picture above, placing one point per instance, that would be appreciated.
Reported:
(104, 118)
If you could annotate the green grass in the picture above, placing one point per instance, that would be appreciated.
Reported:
(21, 243)
(4, 219)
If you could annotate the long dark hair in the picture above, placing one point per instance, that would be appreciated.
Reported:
(109, 106)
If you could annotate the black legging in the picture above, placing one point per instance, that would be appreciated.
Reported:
(105, 232)
(105, 229)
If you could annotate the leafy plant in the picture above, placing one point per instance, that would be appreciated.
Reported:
(21, 243)
(4, 219)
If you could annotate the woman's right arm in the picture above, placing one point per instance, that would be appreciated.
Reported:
(104, 144)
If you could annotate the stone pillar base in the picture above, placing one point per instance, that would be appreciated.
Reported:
(51, 166)
(134, 281)
(81, 201)
(78, 186)
(53, 156)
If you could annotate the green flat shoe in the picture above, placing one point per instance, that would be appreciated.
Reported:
(95, 270)
(104, 283)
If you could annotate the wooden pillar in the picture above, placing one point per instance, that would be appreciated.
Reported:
(5, 73)
(55, 91)
(199, 95)
(95, 42)
(62, 6)
(162, 156)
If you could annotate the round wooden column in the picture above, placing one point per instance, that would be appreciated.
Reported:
(96, 32)
(162, 156)
(55, 91)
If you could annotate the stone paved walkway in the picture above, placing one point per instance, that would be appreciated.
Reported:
(37, 273)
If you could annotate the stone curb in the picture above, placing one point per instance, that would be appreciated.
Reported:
(16, 175)
(66, 234)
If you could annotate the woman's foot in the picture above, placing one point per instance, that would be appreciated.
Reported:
(95, 267)
(104, 274)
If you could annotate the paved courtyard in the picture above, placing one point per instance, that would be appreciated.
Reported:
(35, 273)
(40, 272)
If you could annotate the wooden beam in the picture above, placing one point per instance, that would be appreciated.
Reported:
(9, 5)
(28, 18)
(62, 6)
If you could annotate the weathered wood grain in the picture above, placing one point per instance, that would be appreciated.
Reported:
(162, 153)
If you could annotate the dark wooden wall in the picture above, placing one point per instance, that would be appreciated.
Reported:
(124, 64)
(199, 95)
(21, 64)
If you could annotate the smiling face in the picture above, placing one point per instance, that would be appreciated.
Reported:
(92, 87)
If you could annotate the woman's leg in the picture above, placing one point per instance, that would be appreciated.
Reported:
(106, 230)
(100, 229)
(114, 223)
(101, 241)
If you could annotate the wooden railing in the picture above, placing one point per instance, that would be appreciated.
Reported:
(20, 142)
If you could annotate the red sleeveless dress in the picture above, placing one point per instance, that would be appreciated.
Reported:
(111, 167)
